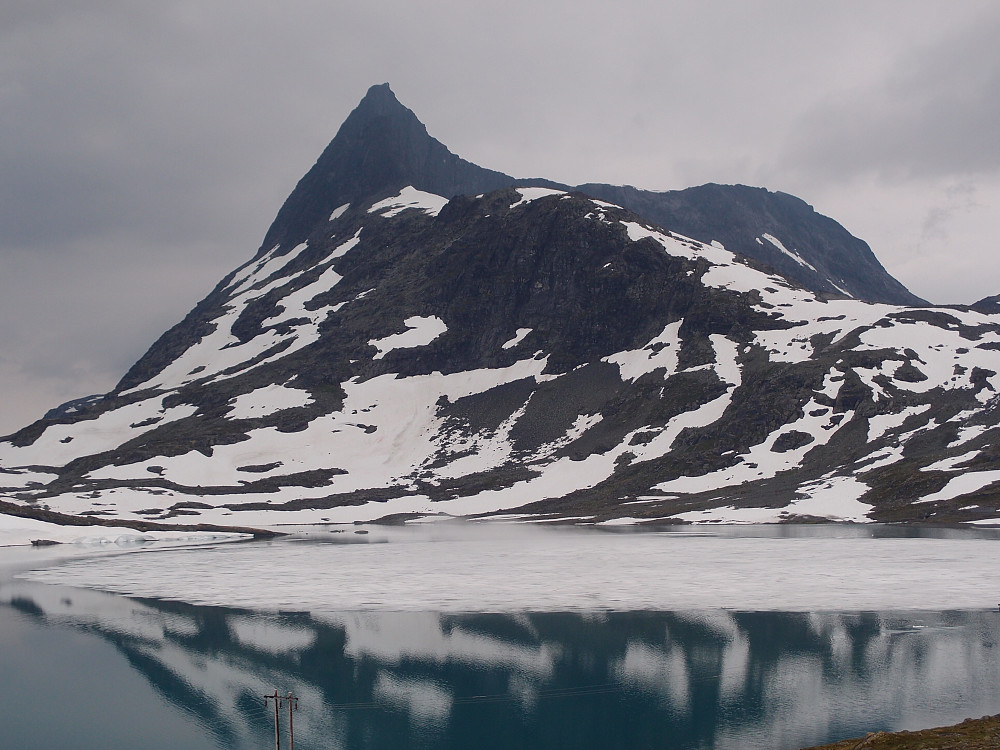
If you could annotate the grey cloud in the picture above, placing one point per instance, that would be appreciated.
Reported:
(73, 327)
(935, 115)
(126, 121)
(958, 198)
(145, 147)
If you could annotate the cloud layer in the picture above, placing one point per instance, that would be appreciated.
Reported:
(146, 147)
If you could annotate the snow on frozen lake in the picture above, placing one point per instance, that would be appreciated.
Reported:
(504, 567)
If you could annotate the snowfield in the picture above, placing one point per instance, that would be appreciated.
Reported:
(405, 444)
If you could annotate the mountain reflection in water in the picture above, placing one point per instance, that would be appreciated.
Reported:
(699, 679)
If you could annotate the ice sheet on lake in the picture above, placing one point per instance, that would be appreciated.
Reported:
(506, 568)
(16, 531)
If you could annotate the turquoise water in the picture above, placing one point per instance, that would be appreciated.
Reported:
(87, 669)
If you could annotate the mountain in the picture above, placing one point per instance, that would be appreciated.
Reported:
(530, 351)
(383, 147)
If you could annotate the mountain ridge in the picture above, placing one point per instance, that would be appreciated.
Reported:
(382, 147)
(528, 352)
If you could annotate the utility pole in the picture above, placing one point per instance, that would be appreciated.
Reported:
(293, 705)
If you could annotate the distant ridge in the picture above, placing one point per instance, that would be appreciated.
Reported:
(988, 305)
(775, 228)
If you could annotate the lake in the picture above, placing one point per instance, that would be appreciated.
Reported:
(501, 636)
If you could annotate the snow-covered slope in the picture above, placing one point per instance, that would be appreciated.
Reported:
(529, 353)
(522, 352)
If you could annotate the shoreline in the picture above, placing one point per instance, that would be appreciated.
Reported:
(971, 734)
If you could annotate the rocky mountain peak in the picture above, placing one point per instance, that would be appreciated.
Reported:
(380, 101)
(381, 147)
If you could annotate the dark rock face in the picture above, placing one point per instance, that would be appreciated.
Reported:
(73, 406)
(391, 352)
(748, 220)
(988, 305)
(382, 147)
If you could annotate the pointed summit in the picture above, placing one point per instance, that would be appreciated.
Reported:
(380, 101)
(380, 148)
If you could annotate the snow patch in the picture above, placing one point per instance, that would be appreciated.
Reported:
(836, 498)
(19, 479)
(61, 443)
(529, 194)
(886, 457)
(580, 425)
(794, 256)
(409, 197)
(263, 269)
(383, 435)
(621, 521)
(660, 353)
(603, 204)
(728, 371)
(267, 400)
(421, 331)
(221, 350)
(483, 451)
(339, 211)
(761, 461)
(965, 434)
(950, 464)
(943, 356)
(517, 338)
(880, 424)
(962, 485)
(345, 247)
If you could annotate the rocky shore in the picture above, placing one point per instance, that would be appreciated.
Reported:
(971, 734)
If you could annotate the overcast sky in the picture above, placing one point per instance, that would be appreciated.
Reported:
(145, 147)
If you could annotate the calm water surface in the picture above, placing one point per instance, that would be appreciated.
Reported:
(84, 668)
